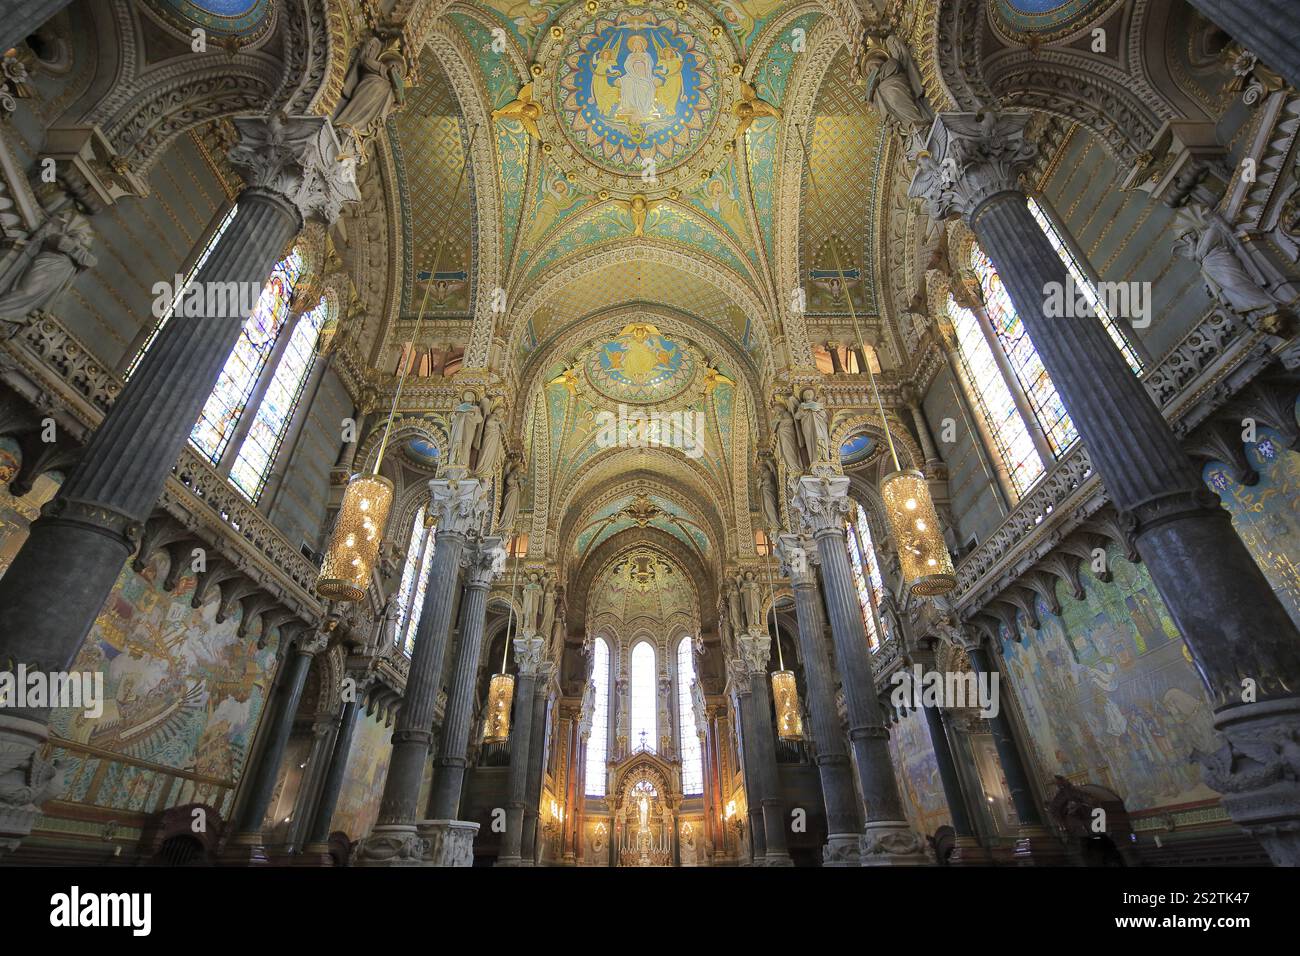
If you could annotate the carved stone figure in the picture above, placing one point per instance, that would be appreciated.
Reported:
(814, 427)
(64, 242)
(490, 443)
(510, 500)
(786, 439)
(767, 487)
(1206, 239)
(894, 85)
(374, 84)
(465, 423)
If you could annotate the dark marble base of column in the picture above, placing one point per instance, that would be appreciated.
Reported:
(244, 849)
(968, 852)
(842, 849)
(390, 844)
(1258, 772)
(26, 781)
(1037, 847)
(892, 843)
(427, 843)
(315, 855)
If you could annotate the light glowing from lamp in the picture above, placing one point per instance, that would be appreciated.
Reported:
(730, 811)
(354, 545)
(922, 555)
(789, 715)
(496, 728)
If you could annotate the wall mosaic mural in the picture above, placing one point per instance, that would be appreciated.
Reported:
(363, 780)
(924, 801)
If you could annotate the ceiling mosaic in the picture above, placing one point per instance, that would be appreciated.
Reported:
(643, 583)
(639, 510)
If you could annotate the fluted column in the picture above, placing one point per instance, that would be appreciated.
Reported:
(23, 18)
(319, 834)
(823, 504)
(755, 649)
(742, 694)
(843, 823)
(65, 570)
(528, 657)
(536, 756)
(1268, 28)
(460, 505)
(483, 560)
(1243, 643)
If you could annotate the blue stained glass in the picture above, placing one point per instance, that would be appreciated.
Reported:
(689, 744)
(598, 741)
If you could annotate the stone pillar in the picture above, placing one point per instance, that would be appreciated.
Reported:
(742, 693)
(322, 730)
(460, 505)
(536, 756)
(823, 504)
(1235, 627)
(64, 572)
(843, 824)
(528, 656)
(928, 448)
(483, 560)
(1268, 28)
(246, 845)
(24, 18)
(319, 833)
(755, 648)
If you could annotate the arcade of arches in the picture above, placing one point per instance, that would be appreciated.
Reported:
(447, 433)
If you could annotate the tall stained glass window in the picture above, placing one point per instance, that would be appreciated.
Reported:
(866, 575)
(415, 580)
(1086, 286)
(641, 689)
(689, 744)
(598, 741)
(992, 397)
(177, 293)
(275, 412)
(244, 365)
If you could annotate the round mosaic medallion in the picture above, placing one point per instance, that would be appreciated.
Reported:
(640, 365)
(636, 99)
(247, 19)
(1045, 18)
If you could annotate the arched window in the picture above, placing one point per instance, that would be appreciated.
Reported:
(244, 366)
(598, 741)
(689, 742)
(275, 411)
(415, 580)
(866, 575)
(641, 688)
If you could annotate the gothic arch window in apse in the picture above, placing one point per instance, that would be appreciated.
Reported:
(415, 578)
(689, 744)
(275, 411)
(597, 742)
(866, 575)
(641, 691)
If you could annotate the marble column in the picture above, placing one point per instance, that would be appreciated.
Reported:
(247, 846)
(319, 833)
(822, 503)
(742, 694)
(536, 756)
(528, 657)
(67, 567)
(1268, 28)
(755, 651)
(483, 560)
(460, 505)
(1242, 641)
(843, 824)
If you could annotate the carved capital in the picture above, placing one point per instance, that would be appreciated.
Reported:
(483, 560)
(798, 556)
(822, 503)
(755, 647)
(459, 504)
(298, 159)
(970, 158)
(528, 655)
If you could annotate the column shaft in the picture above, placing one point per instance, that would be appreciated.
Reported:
(952, 791)
(776, 850)
(257, 798)
(752, 775)
(1013, 768)
(517, 785)
(536, 753)
(332, 786)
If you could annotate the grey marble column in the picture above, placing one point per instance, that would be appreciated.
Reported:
(319, 833)
(460, 506)
(19, 19)
(64, 572)
(246, 846)
(822, 503)
(742, 693)
(483, 561)
(1236, 629)
(1268, 28)
(528, 656)
(755, 650)
(843, 822)
(536, 755)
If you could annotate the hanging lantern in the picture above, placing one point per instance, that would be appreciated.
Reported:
(789, 715)
(354, 545)
(496, 727)
(922, 554)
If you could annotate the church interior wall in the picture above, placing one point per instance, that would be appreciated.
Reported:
(363, 776)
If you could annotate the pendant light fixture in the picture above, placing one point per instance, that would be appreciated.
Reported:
(785, 689)
(922, 555)
(367, 499)
(501, 689)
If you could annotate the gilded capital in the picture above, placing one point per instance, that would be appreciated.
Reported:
(970, 158)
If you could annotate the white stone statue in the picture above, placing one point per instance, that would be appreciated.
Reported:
(1206, 238)
(465, 423)
(786, 439)
(767, 488)
(894, 85)
(510, 495)
(814, 427)
(373, 86)
(64, 242)
(490, 443)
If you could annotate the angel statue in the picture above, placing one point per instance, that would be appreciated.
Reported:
(490, 442)
(63, 242)
(894, 86)
(373, 86)
(466, 421)
(767, 487)
(1205, 237)
(510, 500)
(786, 442)
(814, 427)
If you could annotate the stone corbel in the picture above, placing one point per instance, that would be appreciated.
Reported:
(1108, 524)
(1220, 441)
(90, 168)
(39, 457)
(1183, 161)
(1063, 565)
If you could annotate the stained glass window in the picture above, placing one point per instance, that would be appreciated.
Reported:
(226, 404)
(866, 575)
(415, 608)
(597, 742)
(1085, 285)
(177, 293)
(1028, 367)
(992, 396)
(689, 744)
(275, 412)
(641, 689)
(410, 592)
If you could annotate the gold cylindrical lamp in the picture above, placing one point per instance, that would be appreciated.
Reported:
(501, 692)
(354, 545)
(922, 554)
(789, 715)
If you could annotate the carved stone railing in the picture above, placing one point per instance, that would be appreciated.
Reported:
(1213, 361)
